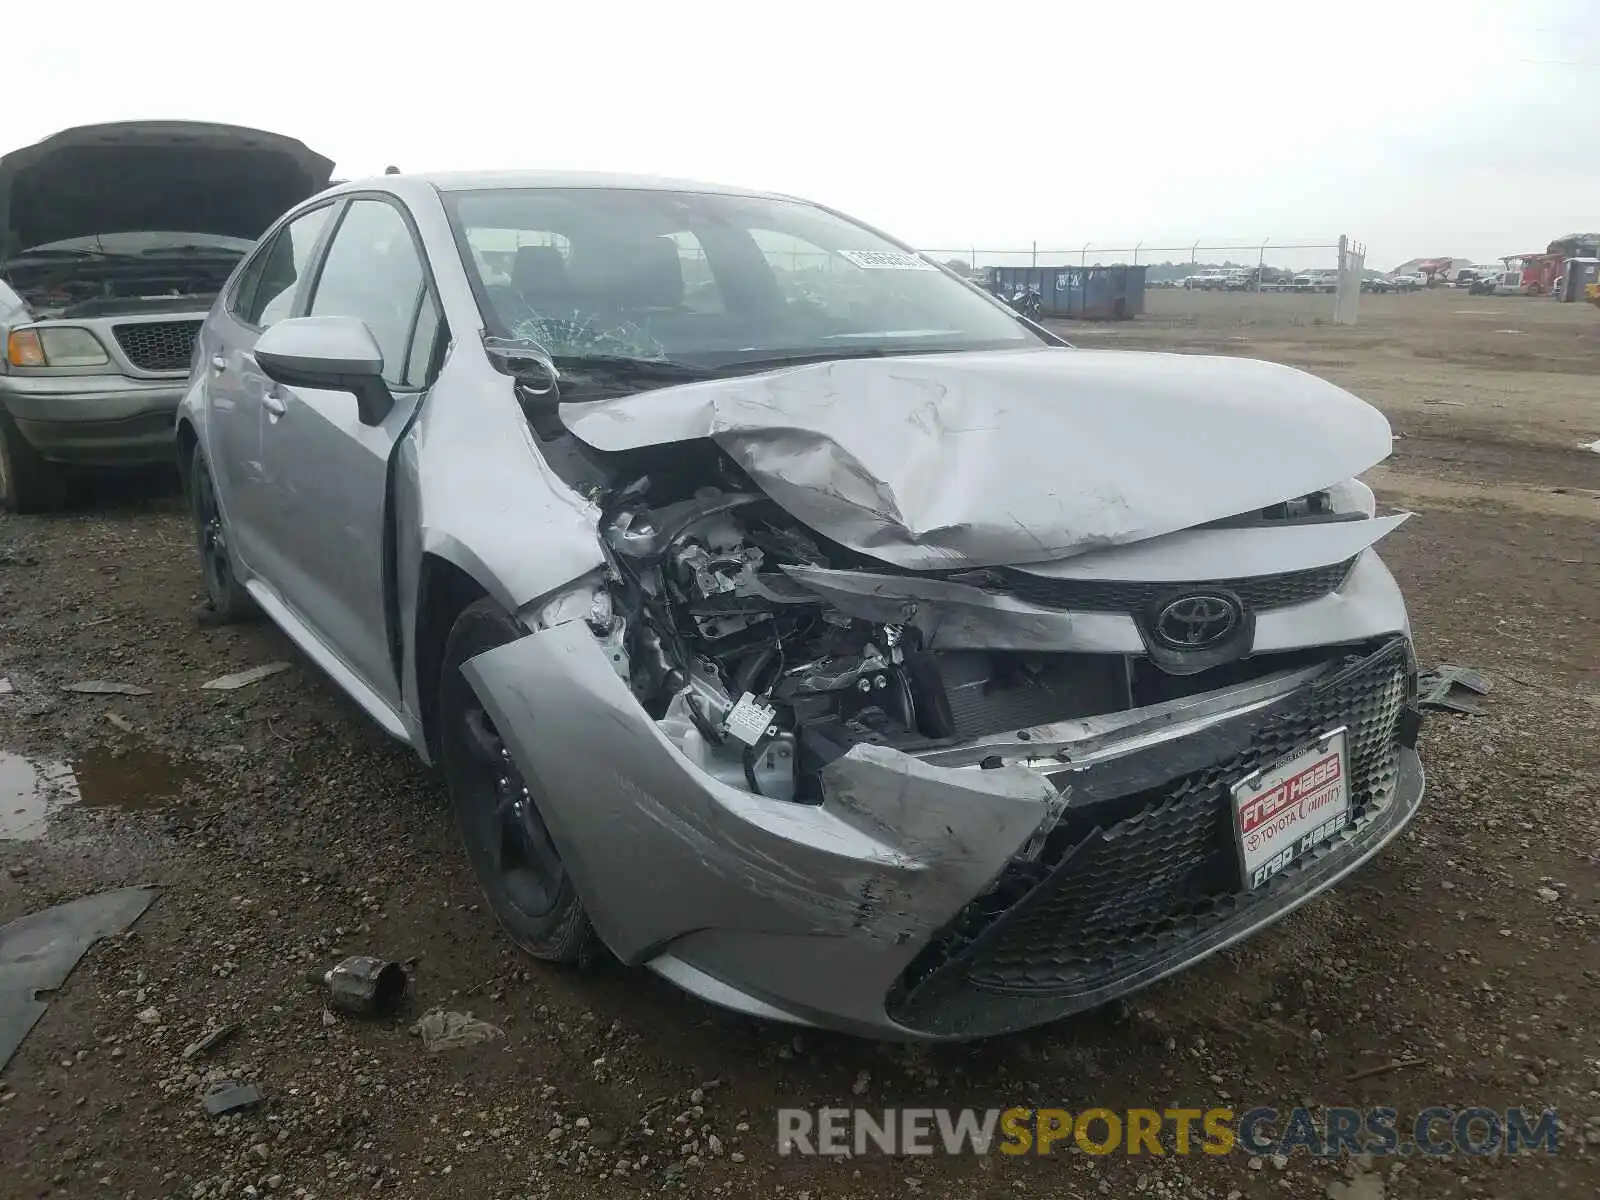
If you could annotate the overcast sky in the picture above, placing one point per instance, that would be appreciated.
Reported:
(1460, 127)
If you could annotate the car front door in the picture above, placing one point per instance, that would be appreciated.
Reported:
(330, 471)
(264, 293)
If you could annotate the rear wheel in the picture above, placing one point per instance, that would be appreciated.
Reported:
(497, 809)
(226, 597)
(28, 484)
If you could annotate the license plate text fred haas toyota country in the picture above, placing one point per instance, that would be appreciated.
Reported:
(1285, 811)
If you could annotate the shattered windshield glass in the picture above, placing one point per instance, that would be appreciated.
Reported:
(707, 280)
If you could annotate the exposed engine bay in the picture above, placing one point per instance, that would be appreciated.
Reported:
(116, 285)
(761, 680)
(746, 669)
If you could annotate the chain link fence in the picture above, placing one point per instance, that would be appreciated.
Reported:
(1332, 269)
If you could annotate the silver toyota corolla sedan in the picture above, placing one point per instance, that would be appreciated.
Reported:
(790, 616)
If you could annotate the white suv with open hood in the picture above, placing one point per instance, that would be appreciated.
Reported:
(114, 239)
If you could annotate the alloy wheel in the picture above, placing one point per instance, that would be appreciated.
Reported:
(522, 854)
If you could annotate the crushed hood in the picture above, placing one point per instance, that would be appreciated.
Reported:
(130, 176)
(986, 459)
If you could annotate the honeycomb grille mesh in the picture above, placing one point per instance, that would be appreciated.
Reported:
(1128, 894)
(1095, 595)
(158, 345)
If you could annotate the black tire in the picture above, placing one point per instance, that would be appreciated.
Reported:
(497, 811)
(226, 597)
(28, 484)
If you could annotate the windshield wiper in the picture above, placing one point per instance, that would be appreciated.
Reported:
(605, 371)
(57, 252)
(626, 369)
(188, 252)
(652, 370)
(800, 358)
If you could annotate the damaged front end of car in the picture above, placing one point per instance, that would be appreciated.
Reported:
(809, 770)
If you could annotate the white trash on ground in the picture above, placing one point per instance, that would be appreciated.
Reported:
(440, 1030)
(105, 687)
(239, 679)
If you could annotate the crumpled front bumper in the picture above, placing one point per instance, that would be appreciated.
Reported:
(931, 897)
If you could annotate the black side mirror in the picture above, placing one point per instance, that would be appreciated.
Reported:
(337, 354)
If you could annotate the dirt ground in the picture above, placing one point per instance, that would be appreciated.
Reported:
(284, 831)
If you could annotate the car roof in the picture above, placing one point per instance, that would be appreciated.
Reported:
(465, 181)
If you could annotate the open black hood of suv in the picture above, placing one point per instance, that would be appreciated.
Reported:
(188, 176)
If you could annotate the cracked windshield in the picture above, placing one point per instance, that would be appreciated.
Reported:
(708, 280)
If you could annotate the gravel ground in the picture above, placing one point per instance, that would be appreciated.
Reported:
(284, 832)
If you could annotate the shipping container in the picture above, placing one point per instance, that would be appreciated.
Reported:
(1114, 293)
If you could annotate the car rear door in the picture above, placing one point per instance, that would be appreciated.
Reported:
(263, 293)
(330, 471)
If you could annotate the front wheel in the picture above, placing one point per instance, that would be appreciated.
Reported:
(28, 484)
(498, 810)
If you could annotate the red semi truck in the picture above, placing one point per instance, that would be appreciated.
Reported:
(1541, 271)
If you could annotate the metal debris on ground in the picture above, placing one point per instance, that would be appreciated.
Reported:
(210, 1041)
(120, 721)
(1454, 689)
(239, 679)
(362, 985)
(229, 1095)
(441, 1030)
(1398, 1064)
(5, 686)
(105, 687)
(38, 952)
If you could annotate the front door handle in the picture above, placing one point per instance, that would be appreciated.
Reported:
(218, 364)
(274, 406)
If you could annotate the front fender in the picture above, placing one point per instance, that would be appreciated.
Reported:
(471, 489)
(487, 501)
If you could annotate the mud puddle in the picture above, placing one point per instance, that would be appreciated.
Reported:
(32, 790)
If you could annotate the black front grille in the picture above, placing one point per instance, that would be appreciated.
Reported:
(158, 345)
(1126, 887)
(1097, 595)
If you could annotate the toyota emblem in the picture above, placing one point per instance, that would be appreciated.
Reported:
(1197, 621)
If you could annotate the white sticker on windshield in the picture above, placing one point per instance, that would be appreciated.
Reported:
(886, 260)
